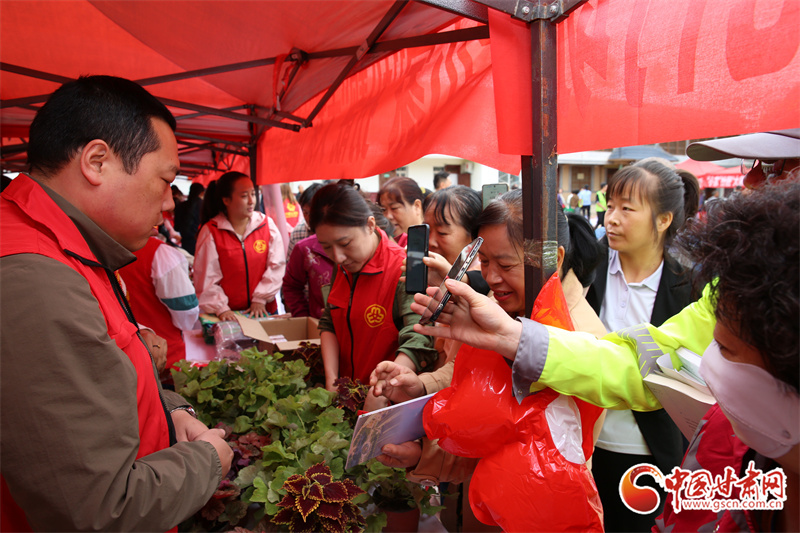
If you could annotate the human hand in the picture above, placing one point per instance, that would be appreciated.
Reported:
(330, 386)
(395, 382)
(438, 268)
(403, 271)
(374, 402)
(473, 318)
(187, 427)
(227, 316)
(405, 455)
(257, 310)
(224, 451)
(157, 347)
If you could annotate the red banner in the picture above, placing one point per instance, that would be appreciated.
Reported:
(634, 72)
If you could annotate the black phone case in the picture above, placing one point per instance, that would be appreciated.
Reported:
(417, 279)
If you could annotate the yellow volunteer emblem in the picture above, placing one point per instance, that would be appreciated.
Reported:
(374, 315)
(260, 246)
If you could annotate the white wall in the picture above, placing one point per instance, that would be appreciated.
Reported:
(483, 175)
(421, 171)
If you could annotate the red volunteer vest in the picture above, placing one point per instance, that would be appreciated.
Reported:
(242, 263)
(361, 310)
(148, 309)
(292, 213)
(32, 223)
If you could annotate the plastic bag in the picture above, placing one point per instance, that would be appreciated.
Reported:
(231, 341)
(532, 474)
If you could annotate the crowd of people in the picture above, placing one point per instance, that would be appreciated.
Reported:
(104, 267)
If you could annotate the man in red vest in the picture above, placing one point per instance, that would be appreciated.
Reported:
(89, 439)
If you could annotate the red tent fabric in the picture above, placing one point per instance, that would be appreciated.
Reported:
(711, 175)
(630, 72)
(634, 72)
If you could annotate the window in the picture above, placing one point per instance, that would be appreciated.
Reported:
(510, 179)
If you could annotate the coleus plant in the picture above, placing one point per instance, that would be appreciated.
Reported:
(350, 396)
(279, 426)
(311, 354)
(314, 501)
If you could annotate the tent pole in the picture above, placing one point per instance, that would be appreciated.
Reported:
(539, 171)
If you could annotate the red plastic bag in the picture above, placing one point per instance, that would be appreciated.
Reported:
(532, 474)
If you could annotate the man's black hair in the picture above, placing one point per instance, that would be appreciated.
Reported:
(115, 110)
(439, 177)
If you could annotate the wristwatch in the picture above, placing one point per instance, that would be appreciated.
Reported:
(188, 408)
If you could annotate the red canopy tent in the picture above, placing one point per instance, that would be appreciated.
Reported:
(307, 89)
(713, 176)
(253, 72)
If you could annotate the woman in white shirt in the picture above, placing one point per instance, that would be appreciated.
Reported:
(639, 283)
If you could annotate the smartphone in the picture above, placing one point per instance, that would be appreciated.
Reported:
(416, 249)
(457, 271)
(491, 191)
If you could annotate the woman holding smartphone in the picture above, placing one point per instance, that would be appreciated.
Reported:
(502, 265)
(367, 317)
(452, 215)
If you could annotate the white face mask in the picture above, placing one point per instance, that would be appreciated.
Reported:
(763, 410)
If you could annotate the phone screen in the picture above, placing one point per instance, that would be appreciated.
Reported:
(457, 271)
(416, 249)
(491, 191)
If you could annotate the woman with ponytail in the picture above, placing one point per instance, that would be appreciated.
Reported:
(239, 262)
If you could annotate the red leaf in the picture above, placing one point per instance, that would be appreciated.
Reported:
(350, 512)
(329, 510)
(306, 506)
(319, 468)
(287, 501)
(353, 490)
(212, 509)
(301, 526)
(226, 488)
(321, 478)
(296, 483)
(333, 526)
(314, 491)
(284, 516)
(335, 492)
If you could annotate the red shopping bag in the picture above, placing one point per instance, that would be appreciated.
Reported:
(532, 474)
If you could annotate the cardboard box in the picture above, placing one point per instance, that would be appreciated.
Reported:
(268, 332)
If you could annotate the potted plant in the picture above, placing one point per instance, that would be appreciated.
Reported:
(401, 500)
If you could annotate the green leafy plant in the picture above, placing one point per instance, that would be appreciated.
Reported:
(279, 427)
(393, 492)
(311, 354)
(316, 502)
(350, 396)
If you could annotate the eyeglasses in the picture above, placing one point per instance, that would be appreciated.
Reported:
(757, 171)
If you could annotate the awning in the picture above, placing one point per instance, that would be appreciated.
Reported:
(713, 176)
(240, 74)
